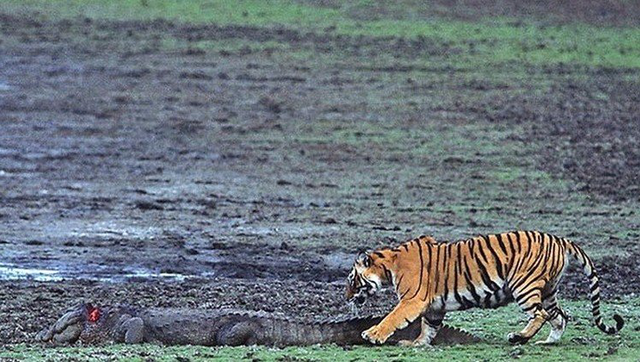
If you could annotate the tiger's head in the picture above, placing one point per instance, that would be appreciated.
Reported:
(367, 277)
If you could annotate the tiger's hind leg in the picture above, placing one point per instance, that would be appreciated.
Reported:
(431, 324)
(530, 301)
(557, 319)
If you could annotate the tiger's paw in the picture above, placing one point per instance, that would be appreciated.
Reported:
(375, 335)
(414, 343)
(405, 343)
(547, 342)
(516, 338)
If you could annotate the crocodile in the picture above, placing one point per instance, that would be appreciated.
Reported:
(88, 324)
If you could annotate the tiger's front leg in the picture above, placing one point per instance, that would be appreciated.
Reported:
(403, 314)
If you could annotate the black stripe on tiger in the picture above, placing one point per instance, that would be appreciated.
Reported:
(589, 270)
(486, 271)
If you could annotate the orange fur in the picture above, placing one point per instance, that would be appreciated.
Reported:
(432, 278)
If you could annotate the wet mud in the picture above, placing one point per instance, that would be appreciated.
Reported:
(136, 173)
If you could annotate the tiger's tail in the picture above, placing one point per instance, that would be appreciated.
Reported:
(594, 285)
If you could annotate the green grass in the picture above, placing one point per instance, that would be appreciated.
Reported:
(582, 340)
(482, 43)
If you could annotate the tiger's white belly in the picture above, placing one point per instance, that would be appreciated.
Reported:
(482, 298)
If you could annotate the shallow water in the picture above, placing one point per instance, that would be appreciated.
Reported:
(14, 272)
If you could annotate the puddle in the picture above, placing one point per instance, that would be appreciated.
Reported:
(8, 272)
(13, 272)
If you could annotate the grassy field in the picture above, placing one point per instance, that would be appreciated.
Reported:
(428, 95)
(581, 340)
(485, 42)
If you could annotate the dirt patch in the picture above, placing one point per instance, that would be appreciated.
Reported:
(595, 144)
(260, 178)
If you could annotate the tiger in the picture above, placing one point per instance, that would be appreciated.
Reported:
(488, 271)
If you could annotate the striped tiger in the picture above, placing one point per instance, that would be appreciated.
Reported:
(432, 278)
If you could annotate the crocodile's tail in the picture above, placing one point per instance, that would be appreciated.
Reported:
(347, 331)
(342, 331)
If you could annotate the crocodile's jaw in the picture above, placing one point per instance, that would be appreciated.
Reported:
(66, 330)
(70, 335)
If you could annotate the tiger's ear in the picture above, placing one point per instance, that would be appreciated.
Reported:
(364, 259)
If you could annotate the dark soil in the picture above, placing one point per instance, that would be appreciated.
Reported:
(121, 158)
(596, 143)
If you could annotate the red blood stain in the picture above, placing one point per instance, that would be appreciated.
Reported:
(94, 315)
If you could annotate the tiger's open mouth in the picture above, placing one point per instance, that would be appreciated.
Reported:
(360, 288)
(364, 291)
(359, 299)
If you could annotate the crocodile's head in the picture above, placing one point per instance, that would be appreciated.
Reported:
(84, 322)
(68, 328)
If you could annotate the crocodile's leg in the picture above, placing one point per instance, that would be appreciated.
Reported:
(241, 333)
(134, 331)
(130, 330)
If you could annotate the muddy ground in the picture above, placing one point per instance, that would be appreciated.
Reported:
(166, 175)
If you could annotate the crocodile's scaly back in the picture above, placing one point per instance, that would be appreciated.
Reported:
(345, 331)
(182, 326)
(451, 335)
(171, 326)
